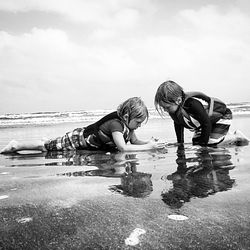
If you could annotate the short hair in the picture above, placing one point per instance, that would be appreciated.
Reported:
(167, 92)
(134, 107)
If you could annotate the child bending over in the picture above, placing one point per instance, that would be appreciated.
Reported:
(113, 131)
(208, 117)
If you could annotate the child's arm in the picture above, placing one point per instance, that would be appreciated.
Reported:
(122, 146)
(135, 140)
(179, 131)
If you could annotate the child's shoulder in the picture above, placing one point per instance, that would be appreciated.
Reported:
(194, 105)
(190, 101)
(114, 125)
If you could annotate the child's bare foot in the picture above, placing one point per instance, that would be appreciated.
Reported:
(11, 147)
(238, 133)
(241, 139)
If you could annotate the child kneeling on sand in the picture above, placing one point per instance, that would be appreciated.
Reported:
(113, 131)
(209, 118)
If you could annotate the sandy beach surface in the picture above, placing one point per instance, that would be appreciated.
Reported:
(176, 198)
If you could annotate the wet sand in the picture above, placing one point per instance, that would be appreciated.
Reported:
(99, 200)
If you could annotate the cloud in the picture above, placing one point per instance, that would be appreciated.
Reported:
(31, 55)
(209, 20)
(48, 63)
(103, 13)
(124, 55)
(219, 41)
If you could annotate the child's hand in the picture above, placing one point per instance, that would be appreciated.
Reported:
(158, 141)
(157, 145)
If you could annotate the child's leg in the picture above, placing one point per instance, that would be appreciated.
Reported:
(220, 130)
(239, 134)
(14, 146)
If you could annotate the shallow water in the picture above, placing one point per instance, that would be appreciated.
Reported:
(189, 180)
(174, 174)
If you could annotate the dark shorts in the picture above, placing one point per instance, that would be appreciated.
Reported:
(71, 141)
(219, 129)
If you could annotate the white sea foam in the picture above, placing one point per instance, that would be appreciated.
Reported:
(50, 118)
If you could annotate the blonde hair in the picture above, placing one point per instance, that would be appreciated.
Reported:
(167, 92)
(134, 107)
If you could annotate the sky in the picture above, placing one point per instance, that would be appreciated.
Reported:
(66, 55)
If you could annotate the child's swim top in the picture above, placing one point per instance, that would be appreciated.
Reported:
(99, 134)
(198, 112)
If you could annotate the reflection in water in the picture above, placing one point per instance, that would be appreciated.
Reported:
(208, 174)
(136, 184)
(121, 165)
(68, 158)
(89, 158)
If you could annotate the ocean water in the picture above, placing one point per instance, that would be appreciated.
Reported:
(84, 116)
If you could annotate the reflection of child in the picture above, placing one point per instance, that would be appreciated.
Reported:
(111, 165)
(208, 117)
(113, 170)
(208, 175)
(135, 184)
(112, 131)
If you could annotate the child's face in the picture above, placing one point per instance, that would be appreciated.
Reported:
(170, 107)
(135, 123)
